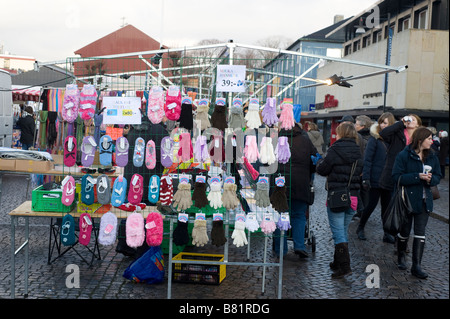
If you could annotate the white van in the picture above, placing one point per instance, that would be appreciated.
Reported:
(6, 109)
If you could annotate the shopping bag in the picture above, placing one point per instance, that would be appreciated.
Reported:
(397, 211)
(149, 268)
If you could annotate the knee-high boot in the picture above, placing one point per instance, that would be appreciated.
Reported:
(418, 246)
(334, 265)
(402, 243)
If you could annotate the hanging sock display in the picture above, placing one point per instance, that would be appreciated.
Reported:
(172, 107)
(88, 101)
(71, 103)
(155, 105)
(269, 113)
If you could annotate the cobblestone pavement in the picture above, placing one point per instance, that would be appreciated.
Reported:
(302, 279)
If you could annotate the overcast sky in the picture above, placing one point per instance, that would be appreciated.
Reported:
(50, 30)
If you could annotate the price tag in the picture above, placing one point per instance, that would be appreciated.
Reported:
(183, 217)
(200, 216)
(230, 78)
(240, 217)
(268, 216)
(127, 112)
(220, 101)
(217, 216)
(237, 102)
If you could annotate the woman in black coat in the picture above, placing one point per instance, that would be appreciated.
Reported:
(337, 166)
(297, 174)
(374, 159)
(410, 171)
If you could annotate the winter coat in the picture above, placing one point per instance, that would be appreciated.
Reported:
(298, 172)
(394, 136)
(443, 152)
(317, 140)
(337, 165)
(27, 127)
(408, 165)
(374, 157)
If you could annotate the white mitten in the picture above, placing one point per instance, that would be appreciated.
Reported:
(199, 235)
(215, 196)
(252, 117)
(239, 237)
(251, 223)
(267, 155)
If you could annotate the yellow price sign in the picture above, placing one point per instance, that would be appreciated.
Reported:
(127, 112)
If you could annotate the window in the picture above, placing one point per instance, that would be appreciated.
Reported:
(422, 20)
(366, 41)
(376, 36)
(348, 49)
(404, 24)
(356, 45)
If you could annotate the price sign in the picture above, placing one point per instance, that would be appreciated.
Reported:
(230, 78)
(121, 110)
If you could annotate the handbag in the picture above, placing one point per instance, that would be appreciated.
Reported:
(338, 200)
(435, 192)
(397, 212)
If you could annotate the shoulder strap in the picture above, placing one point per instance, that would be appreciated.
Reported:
(353, 170)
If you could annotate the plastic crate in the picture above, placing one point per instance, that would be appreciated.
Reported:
(41, 202)
(208, 274)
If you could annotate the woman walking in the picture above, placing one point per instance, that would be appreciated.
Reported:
(337, 167)
(417, 168)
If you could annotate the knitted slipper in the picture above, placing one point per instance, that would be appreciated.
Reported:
(135, 233)
(68, 192)
(154, 226)
(88, 147)
(70, 151)
(122, 146)
(87, 189)
(103, 190)
(166, 190)
(88, 101)
(166, 152)
(108, 229)
(153, 189)
(150, 155)
(119, 191)
(139, 149)
(68, 230)
(136, 189)
(105, 148)
(155, 108)
(84, 236)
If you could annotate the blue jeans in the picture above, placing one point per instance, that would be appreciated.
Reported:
(26, 146)
(339, 223)
(298, 224)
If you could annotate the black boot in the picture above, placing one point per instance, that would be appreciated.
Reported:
(402, 243)
(360, 232)
(418, 246)
(334, 265)
(343, 261)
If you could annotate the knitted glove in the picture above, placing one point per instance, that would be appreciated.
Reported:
(201, 153)
(218, 233)
(238, 235)
(203, 117)
(267, 155)
(199, 235)
(262, 195)
(186, 119)
(287, 116)
(215, 196)
(282, 151)
(251, 149)
(278, 199)
(182, 199)
(199, 195)
(269, 113)
(180, 234)
(283, 224)
(249, 170)
(185, 152)
(251, 224)
(236, 118)
(252, 116)
(268, 226)
(219, 118)
(316, 158)
(229, 197)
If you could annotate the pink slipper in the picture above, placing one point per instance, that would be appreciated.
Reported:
(135, 232)
(85, 229)
(136, 189)
(68, 193)
(150, 155)
(70, 151)
(154, 226)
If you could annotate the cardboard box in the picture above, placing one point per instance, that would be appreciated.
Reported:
(7, 164)
(33, 166)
